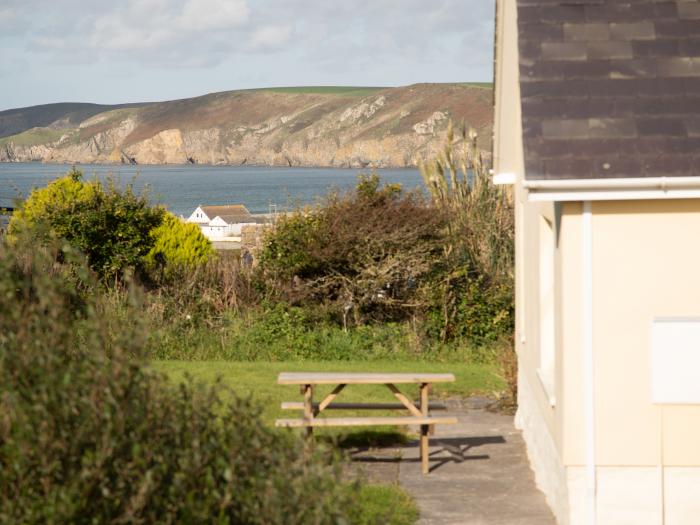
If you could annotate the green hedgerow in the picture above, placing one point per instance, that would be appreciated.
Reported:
(90, 434)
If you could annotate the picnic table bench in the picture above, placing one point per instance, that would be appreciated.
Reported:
(420, 414)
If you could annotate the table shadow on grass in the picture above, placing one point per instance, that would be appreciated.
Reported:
(366, 439)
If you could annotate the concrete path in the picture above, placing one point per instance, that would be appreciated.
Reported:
(479, 475)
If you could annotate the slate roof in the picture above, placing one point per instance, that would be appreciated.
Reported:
(232, 214)
(610, 88)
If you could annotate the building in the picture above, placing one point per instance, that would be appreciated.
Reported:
(222, 222)
(597, 126)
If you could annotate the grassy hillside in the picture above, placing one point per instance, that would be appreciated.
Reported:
(33, 136)
(15, 121)
(348, 91)
(344, 126)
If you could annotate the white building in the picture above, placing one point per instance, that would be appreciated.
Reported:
(221, 222)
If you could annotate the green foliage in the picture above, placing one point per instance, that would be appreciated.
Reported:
(385, 504)
(347, 91)
(366, 254)
(33, 136)
(279, 332)
(177, 246)
(111, 227)
(90, 434)
(473, 295)
(288, 251)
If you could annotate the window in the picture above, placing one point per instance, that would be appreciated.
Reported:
(547, 336)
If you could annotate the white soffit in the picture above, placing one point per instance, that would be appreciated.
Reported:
(503, 178)
(675, 360)
(613, 189)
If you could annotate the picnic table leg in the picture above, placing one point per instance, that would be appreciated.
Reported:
(432, 427)
(424, 450)
(308, 408)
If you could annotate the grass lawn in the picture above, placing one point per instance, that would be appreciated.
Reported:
(259, 380)
(385, 504)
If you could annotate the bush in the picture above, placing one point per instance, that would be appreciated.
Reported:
(111, 227)
(473, 295)
(367, 253)
(177, 246)
(89, 434)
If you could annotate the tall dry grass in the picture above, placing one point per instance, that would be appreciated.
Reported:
(481, 223)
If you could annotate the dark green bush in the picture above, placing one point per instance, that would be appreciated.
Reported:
(89, 434)
(366, 254)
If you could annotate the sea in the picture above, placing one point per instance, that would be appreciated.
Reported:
(182, 188)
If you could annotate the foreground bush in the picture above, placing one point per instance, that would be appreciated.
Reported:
(88, 434)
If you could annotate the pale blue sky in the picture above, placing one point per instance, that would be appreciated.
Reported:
(143, 50)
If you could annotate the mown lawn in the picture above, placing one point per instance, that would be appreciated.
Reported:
(259, 379)
(385, 504)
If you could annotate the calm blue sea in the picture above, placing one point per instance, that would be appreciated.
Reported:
(182, 188)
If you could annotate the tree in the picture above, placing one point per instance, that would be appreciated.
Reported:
(111, 227)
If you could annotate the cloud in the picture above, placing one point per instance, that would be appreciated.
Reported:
(147, 49)
(270, 38)
(149, 26)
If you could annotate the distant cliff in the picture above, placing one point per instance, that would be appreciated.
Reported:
(340, 127)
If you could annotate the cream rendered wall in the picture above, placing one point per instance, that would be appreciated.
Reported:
(542, 424)
(508, 158)
(646, 264)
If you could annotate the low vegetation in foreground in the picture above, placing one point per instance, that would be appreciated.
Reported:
(137, 367)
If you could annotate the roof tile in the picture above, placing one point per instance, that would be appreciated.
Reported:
(610, 88)
(664, 127)
(587, 32)
(689, 10)
(564, 51)
(609, 49)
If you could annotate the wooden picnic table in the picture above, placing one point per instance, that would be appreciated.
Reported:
(420, 414)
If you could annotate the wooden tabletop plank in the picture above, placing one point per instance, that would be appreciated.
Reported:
(299, 405)
(355, 378)
(366, 421)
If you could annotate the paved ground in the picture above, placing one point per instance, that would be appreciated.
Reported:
(479, 473)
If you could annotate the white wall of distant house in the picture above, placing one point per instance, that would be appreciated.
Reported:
(218, 231)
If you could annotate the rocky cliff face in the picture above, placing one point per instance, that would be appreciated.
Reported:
(376, 128)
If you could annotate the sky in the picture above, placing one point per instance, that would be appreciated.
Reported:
(120, 51)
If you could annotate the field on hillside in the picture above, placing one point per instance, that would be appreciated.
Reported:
(320, 126)
(348, 91)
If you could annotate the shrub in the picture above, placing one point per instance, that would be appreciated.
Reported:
(177, 246)
(111, 227)
(473, 295)
(367, 253)
(89, 434)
